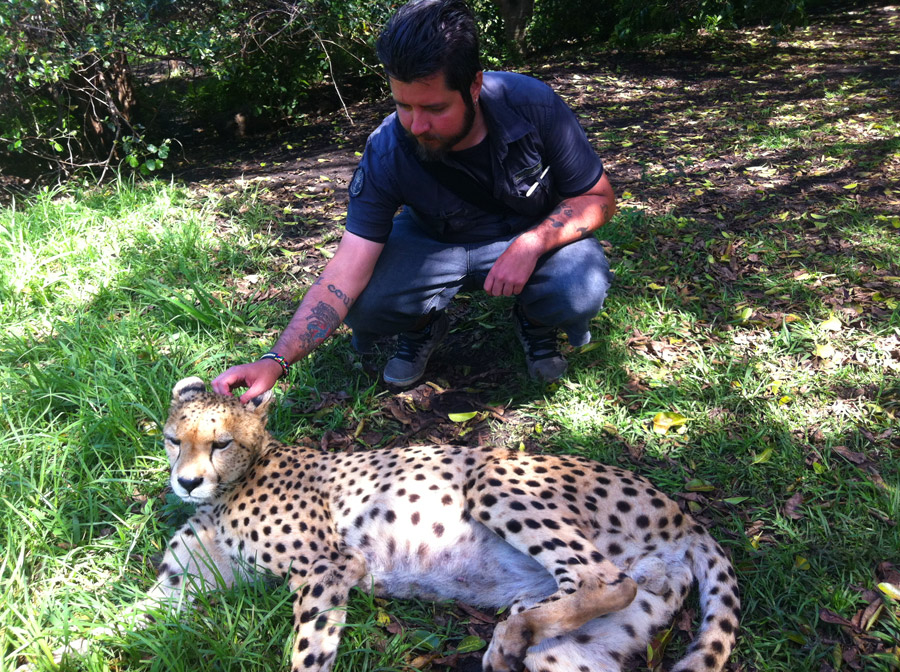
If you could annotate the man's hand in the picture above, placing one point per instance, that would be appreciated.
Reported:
(323, 308)
(573, 219)
(514, 267)
(258, 377)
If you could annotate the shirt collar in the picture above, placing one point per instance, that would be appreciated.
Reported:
(503, 122)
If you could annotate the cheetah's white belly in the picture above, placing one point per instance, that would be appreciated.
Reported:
(476, 567)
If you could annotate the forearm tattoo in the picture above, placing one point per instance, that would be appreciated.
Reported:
(322, 320)
(563, 214)
(563, 210)
(346, 300)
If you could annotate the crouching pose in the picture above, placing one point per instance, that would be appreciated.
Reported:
(478, 181)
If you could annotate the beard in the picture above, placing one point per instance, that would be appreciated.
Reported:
(434, 147)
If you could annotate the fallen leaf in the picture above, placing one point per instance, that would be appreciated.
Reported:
(850, 455)
(831, 617)
(382, 617)
(423, 639)
(763, 457)
(890, 590)
(476, 614)
(470, 644)
(791, 508)
(699, 485)
(656, 647)
(887, 572)
(825, 351)
(832, 324)
(396, 409)
(666, 420)
(864, 619)
(684, 621)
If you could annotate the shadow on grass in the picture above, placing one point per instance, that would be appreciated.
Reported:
(702, 240)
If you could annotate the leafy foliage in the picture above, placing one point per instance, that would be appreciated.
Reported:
(628, 23)
(69, 94)
(76, 74)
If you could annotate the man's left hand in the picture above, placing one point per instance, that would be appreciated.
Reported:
(513, 268)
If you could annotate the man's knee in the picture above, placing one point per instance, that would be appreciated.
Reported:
(577, 277)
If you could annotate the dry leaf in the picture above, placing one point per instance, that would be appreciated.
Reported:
(831, 324)
(831, 617)
(791, 508)
(850, 455)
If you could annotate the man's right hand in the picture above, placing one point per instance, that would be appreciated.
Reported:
(323, 308)
(257, 377)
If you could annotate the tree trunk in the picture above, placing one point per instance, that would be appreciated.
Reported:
(516, 15)
(104, 92)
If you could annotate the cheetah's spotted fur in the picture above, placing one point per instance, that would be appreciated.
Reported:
(591, 559)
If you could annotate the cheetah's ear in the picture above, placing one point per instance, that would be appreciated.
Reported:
(260, 404)
(188, 388)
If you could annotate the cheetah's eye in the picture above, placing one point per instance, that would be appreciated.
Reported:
(221, 445)
(173, 440)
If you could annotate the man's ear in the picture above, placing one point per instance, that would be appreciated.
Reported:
(260, 404)
(475, 88)
(188, 388)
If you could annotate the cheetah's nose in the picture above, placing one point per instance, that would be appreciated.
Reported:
(189, 483)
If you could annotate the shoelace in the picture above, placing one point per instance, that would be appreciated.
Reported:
(540, 345)
(541, 341)
(408, 346)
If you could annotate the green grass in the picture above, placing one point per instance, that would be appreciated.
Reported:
(767, 319)
(132, 294)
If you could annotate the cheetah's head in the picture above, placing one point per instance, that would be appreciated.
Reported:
(211, 439)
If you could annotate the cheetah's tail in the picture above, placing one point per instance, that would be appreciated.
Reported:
(720, 607)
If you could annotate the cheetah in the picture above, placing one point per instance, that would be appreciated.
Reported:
(591, 560)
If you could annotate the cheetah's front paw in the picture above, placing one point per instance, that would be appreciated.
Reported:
(508, 646)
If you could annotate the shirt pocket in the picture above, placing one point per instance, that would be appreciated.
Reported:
(532, 190)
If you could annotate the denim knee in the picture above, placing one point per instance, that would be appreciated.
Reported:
(568, 289)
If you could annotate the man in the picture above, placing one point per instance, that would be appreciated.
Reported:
(499, 188)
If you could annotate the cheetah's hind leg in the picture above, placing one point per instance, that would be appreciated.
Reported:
(588, 586)
(605, 644)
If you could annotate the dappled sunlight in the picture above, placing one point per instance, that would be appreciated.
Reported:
(65, 252)
(746, 359)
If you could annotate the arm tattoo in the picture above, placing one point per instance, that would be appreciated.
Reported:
(561, 209)
(345, 299)
(322, 320)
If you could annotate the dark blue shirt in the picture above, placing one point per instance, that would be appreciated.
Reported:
(530, 129)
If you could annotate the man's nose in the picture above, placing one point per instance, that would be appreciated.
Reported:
(420, 124)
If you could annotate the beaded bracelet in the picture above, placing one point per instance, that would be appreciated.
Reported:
(278, 358)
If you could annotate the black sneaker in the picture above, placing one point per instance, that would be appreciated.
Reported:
(413, 350)
(541, 350)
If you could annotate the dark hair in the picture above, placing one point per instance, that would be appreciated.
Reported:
(425, 37)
